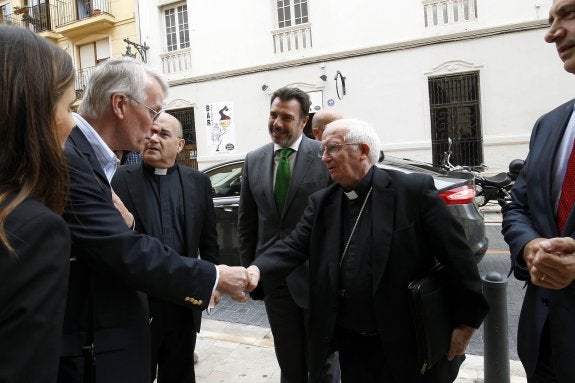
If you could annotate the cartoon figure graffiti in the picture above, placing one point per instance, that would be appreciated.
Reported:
(221, 132)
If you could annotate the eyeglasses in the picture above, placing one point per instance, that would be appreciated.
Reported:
(331, 149)
(154, 114)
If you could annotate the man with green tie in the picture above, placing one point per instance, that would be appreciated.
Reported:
(277, 181)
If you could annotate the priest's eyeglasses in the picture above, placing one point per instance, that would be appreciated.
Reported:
(154, 114)
(331, 149)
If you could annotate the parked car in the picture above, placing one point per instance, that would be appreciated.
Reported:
(457, 190)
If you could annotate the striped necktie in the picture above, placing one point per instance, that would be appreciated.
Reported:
(567, 193)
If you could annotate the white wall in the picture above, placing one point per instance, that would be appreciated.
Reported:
(521, 76)
(228, 34)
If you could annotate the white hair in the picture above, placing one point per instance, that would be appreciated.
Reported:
(359, 132)
(119, 75)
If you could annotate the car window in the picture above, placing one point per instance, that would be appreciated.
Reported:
(226, 180)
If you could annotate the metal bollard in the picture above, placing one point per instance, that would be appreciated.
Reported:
(496, 344)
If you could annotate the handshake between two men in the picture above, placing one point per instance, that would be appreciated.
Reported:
(235, 281)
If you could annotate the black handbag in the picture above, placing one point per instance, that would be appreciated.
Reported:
(431, 303)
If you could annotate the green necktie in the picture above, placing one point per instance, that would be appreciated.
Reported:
(283, 175)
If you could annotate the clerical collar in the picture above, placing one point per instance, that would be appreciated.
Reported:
(362, 188)
(158, 171)
(351, 195)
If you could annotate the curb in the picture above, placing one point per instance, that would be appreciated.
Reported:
(491, 214)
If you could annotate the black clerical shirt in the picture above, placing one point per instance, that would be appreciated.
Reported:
(165, 205)
(355, 310)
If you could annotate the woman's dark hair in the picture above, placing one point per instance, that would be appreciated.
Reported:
(35, 74)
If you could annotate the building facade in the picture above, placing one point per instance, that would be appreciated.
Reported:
(91, 31)
(474, 72)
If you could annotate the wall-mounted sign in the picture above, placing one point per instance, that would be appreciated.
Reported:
(316, 98)
(220, 127)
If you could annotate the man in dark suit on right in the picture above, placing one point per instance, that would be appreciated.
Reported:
(265, 217)
(539, 226)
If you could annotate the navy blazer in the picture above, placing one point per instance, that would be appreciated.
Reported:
(33, 293)
(260, 225)
(199, 217)
(117, 263)
(411, 227)
(530, 215)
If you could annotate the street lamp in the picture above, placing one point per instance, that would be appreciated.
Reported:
(142, 50)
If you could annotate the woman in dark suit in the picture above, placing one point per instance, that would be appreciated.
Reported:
(36, 94)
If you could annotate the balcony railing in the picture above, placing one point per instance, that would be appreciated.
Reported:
(69, 11)
(293, 38)
(82, 77)
(177, 61)
(444, 12)
(51, 15)
(37, 19)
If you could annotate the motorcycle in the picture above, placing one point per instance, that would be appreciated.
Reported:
(495, 189)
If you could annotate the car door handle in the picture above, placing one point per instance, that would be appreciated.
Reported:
(230, 208)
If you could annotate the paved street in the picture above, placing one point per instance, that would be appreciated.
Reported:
(236, 344)
(497, 259)
(239, 353)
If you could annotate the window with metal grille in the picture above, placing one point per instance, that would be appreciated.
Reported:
(292, 13)
(177, 28)
(186, 118)
(455, 114)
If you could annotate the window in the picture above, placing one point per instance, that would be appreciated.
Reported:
(90, 55)
(36, 15)
(5, 11)
(177, 28)
(294, 29)
(94, 53)
(226, 180)
(292, 12)
(455, 114)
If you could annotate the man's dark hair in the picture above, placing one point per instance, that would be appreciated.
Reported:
(286, 94)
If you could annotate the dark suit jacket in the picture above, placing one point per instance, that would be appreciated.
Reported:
(199, 217)
(259, 223)
(33, 293)
(411, 226)
(532, 214)
(117, 262)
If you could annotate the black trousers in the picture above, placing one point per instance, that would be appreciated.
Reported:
(545, 370)
(361, 357)
(173, 344)
(290, 329)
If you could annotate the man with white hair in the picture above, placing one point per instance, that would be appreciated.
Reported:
(366, 237)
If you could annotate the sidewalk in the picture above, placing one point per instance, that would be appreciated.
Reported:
(238, 353)
(491, 214)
